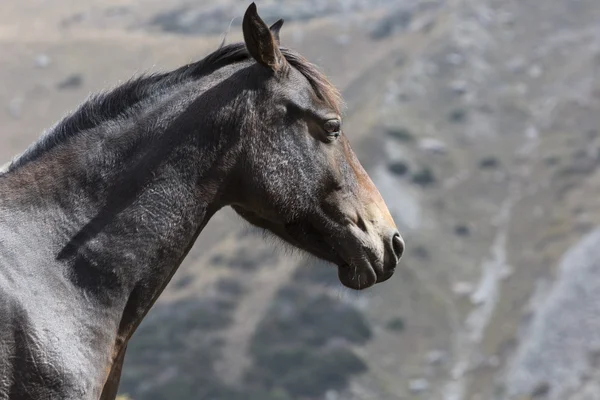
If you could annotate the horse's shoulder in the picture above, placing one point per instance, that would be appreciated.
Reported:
(35, 342)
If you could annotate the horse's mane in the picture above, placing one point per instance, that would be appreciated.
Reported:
(106, 106)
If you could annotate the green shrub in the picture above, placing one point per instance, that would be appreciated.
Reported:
(316, 271)
(424, 177)
(552, 160)
(398, 168)
(400, 134)
(396, 324)
(230, 287)
(244, 259)
(180, 338)
(183, 282)
(292, 350)
(419, 251)
(306, 371)
(295, 318)
(458, 115)
(300, 349)
(462, 230)
(490, 162)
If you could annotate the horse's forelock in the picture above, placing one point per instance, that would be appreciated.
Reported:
(324, 89)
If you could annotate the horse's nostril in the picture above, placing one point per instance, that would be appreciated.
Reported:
(397, 245)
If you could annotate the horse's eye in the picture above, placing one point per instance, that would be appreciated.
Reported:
(333, 127)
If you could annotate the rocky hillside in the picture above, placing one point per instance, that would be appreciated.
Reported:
(477, 119)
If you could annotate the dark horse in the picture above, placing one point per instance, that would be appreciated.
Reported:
(97, 216)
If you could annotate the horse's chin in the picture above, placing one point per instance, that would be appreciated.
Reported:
(358, 275)
(357, 278)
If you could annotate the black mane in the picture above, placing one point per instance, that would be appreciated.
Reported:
(118, 102)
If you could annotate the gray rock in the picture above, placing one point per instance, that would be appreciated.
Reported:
(564, 331)
(15, 107)
(332, 395)
(71, 82)
(535, 71)
(42, 60)
(463, 288)
(418, 385)
(436, 357)
(458, 87)
(433, 146)
(455, 58)
(392, 23)
(4, 167)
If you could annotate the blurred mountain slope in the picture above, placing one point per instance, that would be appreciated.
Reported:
(478, 121)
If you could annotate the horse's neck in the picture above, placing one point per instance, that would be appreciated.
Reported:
(118, 227)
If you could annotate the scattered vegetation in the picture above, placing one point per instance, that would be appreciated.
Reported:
(71, 82)
(183, 282)
(462, 230)
(401, 134)
(398, 168)
(300, 350)
(424, 177)
(396, 324)
(552, 160)
(231, 287)
(218, 259)
(489, 162)
(315, 271)
(458, 116)
(420, 251)
(582, 166)
(541, 391)
(301, 347)
(391, 23)
(244, 259)
(172, 353)
(295, 314)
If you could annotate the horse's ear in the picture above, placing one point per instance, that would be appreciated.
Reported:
(275, 28)
(260, 42)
